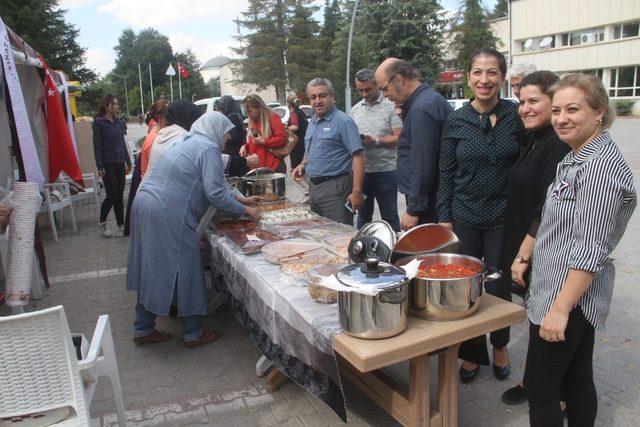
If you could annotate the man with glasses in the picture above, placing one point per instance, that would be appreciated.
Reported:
(425, 112)
(333, 159)
(379, 128)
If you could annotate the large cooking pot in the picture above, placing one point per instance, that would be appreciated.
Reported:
(269, 185)
(377, 307)
(447, 299)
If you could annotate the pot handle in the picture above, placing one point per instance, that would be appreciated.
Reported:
(492, 274)
(392, 296)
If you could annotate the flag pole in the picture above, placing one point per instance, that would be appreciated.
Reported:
(141, 98)
(179, 81)
(151, 82)
(171, 84)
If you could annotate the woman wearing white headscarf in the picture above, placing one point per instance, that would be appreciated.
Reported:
(164, 263)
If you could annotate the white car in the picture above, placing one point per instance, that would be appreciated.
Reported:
(307, 110)
(283, 113)
(456, 104)
(207, 104)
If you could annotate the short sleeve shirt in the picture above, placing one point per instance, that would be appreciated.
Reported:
(330, 143)
(377, 119)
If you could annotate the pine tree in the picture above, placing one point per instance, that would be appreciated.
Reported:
(472, 33)
(42, 25)
(330, 23)
(303, 50)
(263, 48)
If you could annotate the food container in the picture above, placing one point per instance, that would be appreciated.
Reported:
(227, 226)
(316, 275)
(250, 242)
(287, 250)
(320, 232)
(377, 304)
(425, 238)
(339, 243)
(268, 184)
(292, 216)
(447, 299)
(299, 266)
(267, 206)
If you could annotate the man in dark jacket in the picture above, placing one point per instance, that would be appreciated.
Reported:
(424, 113)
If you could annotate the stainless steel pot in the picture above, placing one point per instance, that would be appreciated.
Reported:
(447, 299)
(271, 186)
(381, 315)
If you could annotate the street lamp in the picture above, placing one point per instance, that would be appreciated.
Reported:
(347, 86)
(126, 96)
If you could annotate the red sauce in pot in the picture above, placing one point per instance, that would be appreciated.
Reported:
(444, 271)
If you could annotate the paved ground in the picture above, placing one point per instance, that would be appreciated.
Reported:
(167, 384)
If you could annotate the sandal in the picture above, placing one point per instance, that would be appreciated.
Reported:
(155, 336)
(206, 337)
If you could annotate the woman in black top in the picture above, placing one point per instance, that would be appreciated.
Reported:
(237, 136)
(112, 161)
(297, 124)
(479, 144)
(528, 182)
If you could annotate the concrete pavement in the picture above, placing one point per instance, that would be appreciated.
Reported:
(216, 385)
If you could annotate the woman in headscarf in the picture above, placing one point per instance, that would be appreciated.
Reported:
(237, 136)
(164, 262)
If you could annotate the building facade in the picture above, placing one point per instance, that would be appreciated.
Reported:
(231, 84)
(588, 36)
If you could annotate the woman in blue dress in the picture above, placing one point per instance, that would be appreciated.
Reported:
(164, 263)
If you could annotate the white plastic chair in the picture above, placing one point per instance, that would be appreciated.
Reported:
(50, 206)
(91, 191)
(40, 372)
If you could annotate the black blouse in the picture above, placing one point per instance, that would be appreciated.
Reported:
(529, 179)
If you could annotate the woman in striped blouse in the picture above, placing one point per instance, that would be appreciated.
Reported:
(586, 213)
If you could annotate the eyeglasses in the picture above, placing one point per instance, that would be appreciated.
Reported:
(322, 95)
(385, 87)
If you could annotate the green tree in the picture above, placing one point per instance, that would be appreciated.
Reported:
(332, 15)
(472, 33)
(263, 47)
(213, 87)
(303, 50)
(500, 10)
(193, 87)
(42, 25)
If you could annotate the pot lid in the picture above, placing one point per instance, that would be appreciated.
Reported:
(426, 238)
(372, 274)
(381, 230)
(259, 171)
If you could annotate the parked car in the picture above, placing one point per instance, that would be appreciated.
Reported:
(307, 110)
(457, 103)
(206, 104)
(273, 104)
(282, 112)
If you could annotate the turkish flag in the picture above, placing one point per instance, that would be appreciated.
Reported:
(184, 74)
(62, 156)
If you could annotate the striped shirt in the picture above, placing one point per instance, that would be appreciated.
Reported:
(586, 212)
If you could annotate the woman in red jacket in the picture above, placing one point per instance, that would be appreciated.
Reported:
(265, 131)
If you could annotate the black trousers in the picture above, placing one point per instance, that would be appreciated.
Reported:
(133, 189)
(565, 367)
(484, 244)
(114, 180)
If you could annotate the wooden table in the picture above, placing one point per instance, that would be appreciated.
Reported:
(361, 360)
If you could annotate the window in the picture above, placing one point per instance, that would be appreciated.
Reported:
(625, 81)
(629, 29)
(591, 35)
(592, 72)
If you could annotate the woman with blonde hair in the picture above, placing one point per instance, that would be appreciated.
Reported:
(265, 131)
(586, 212)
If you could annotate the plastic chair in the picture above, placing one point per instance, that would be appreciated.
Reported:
(91, 191)
(50, 206)
(40, 372)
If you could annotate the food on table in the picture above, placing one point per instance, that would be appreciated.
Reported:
(275, 206)
(294, 228)
(322, 231)
(339, 243)
(445, 271)
(296, 268)
(252, 241)
(294, 213)
(269, 197)
(236, 225)
(317, 292)
(286, 250)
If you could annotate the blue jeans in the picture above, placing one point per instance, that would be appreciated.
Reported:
(146, 321)
(383, 187)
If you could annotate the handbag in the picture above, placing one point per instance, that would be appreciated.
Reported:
(284, 151)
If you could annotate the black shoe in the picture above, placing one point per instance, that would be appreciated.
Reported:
(467, 376)
(514, 396)
(501, 373)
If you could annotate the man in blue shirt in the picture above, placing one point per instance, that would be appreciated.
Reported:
(334, 157)
(425, 112)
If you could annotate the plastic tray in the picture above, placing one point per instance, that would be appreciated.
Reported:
(250, 242)
(295, 213)
(339, 243)
(318, 233)
(288, 250)
(317, 292)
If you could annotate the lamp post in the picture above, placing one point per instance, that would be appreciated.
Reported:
(126, 96)
(347, 86)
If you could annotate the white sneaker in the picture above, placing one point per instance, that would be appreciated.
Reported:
(119, 231)
(106, 231)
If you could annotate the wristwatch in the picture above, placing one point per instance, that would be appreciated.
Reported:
(520, 259)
